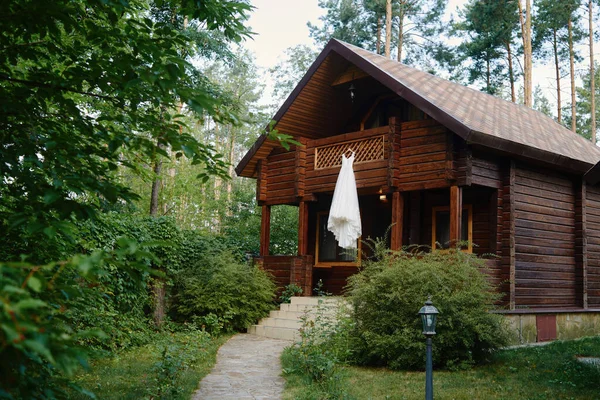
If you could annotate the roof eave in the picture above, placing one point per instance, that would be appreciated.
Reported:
(528, 152)
(240, 168)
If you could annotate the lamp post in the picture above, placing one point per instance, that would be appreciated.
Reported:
(428, 315)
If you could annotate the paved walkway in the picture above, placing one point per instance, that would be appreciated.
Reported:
(247, 368)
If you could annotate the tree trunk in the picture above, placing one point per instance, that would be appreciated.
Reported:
(488, 78)
(400, 32)
(388, 27)
(378, 42)
(557, 67)
(158, 283)
(527, 52)
(230, 169)
(572, 67)
(592, 75)
(511, 74)
(156, 183)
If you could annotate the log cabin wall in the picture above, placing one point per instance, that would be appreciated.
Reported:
(592, 212)
(280, 176)
(544, 239)
(371, 174)
(425, 160)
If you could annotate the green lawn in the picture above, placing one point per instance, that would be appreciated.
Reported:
(548, 372)
(149, 372)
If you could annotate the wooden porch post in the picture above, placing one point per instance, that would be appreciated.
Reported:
(265, 230)
(397, 221)
(581, 261)
(303, 228)
(455, 214)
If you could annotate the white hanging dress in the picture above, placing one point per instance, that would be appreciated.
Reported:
(344, 215)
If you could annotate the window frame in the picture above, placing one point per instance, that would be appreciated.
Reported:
(329, 264)
(469, 209)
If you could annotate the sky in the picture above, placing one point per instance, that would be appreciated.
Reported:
(280, 24)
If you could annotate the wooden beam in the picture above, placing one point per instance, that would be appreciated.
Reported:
(300, 164)
(261, 182)
(265, 230)
(350, 74)
(455, 214)
(397, 221)
(393, 143)
(509, 231)
(581, 261)
(303, 228)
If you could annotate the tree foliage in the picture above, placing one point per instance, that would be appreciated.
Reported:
(89, 88)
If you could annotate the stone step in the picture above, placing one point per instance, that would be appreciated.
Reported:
(275, 332)
(313, 301)
(281, 323)
(286, 322)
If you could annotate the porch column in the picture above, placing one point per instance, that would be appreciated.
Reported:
(455, 214)
(303, 228)
(581, 257)
(265, 230)
(397, 220)
(303, 267)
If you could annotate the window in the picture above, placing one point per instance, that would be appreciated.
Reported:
(328, 253)
(440, 227)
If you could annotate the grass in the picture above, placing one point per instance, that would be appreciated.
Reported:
(547, 372)
(151, 372)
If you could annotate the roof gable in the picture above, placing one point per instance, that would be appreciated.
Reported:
(477, 117)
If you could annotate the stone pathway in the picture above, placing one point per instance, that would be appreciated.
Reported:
(247, 368)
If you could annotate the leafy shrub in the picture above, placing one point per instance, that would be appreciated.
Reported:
(217, 284)
(179, 354)
(387, 294)
(290, 291)
(324, 345)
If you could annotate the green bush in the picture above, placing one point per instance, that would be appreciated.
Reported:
(324, 345)
(290, 291)
(217, 284)
(387, 294)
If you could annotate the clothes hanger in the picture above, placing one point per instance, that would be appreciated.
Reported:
(349, 150)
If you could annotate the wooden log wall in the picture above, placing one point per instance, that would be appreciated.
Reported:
(334, 279)
(423, 159)
(592, 208)
(279, 267)
(544, 232)
(281, 176)
(301, 273)
(486, 171)
(368, 174)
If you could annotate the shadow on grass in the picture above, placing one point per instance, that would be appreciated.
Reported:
(548, 372)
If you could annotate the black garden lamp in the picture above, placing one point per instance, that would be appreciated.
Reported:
(428, 315)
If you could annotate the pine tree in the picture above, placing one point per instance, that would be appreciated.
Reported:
(491, 28)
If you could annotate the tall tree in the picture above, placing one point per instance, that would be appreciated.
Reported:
(541, 102)
(388, 27)
(525, 20)
(585, 104)
(289, 70)
(551, 39)
(344, 20)
(592, 81)
(375, 10)
(491, 28)
(88, 87)
(420, 28)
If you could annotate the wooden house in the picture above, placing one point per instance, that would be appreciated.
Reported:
(438, 162)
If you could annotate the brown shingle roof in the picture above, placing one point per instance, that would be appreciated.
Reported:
(485, 114)
(477, 117)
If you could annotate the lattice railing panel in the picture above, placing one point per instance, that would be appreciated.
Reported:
(371, 149)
